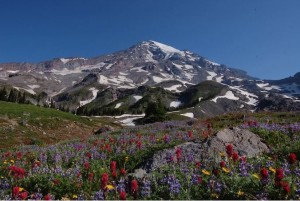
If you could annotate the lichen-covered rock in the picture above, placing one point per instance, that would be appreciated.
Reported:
(244, 142)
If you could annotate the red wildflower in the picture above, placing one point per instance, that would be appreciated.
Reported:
(286, 187)
(23, 195)
(134, 186)
(86, 165)
(264, 173)
(15, 192)
(209, 126)
(113, 166)
(190, 133)
(235, 156)
(19, 155)
(17, 172)
(122, 195)
(178, 153)
(292, 158)
(91, 176)
(89, 155)
(199, 180)
(279, 174)
(215, 172)
(229, 150)
(56, 181)
(198, 164)
(123, 171)
(104, 180)
(139, 144)
(243, 158)
(114, 174)
(222, 164)
(47, 197)
(107, 146)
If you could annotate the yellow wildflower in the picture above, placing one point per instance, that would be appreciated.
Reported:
(12, 161)
(214, 195)
(5, 162)
(74, 196)
(126, 158)
(225, 169)
(240, 193)
(21, 189)
(256, 176)
(110, 187)
(222, 154)
(2, 177)
(206, 172)
(272, 169)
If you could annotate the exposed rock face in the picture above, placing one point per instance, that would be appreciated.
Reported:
(244, 142)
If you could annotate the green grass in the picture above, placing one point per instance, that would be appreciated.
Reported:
(13, 110)
(33, 125)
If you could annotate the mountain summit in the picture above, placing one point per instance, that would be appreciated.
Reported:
(76, 82)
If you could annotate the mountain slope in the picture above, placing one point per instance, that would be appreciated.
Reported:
(105, 81)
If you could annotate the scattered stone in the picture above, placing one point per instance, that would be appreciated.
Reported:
(103, 129)
(244, 142)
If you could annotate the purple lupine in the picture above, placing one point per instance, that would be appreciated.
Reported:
(145, 188)
(243, 169)
(121, 185)
(98, 195)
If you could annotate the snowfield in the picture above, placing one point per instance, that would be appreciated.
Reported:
(188, 114)
(94, 91)
(175, 104)
(228, 95)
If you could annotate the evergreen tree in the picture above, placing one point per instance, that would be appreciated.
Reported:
(12, 97)
(3, 94)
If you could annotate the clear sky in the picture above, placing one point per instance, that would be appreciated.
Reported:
(259, 36)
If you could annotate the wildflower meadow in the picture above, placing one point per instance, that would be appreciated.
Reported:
(101, 167)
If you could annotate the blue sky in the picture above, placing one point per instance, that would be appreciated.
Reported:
(261, 37)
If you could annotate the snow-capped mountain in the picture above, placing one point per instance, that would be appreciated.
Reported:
(79, 81)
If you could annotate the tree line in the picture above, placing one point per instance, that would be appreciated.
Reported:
(13, 95)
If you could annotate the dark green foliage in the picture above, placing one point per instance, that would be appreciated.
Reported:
(155, 112)
(3, 94)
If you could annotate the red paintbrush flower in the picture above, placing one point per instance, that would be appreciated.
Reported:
(104, 180)
(134, 186)
(122, 195)
(190, 134)
(229, 150)
(178, 154)
(139, 144)
(23, 195)
(292, 158)
(264, 173)
(15, 192)
(47, 197)
(113, 166)
(86, 165)
(285, 186)
(89, 155)
(222, 164)
(279, 174)
(91, 176)
(123, 171)
(235, 156)
(198, 164)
